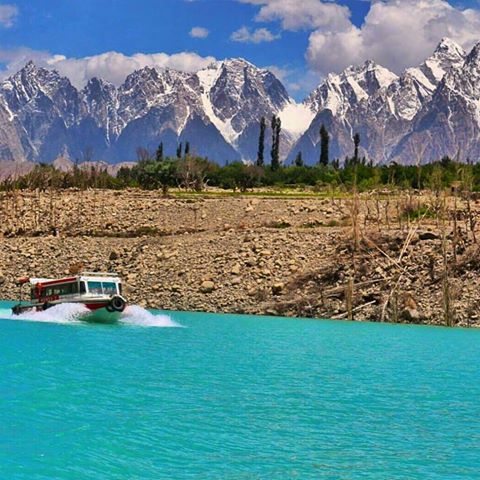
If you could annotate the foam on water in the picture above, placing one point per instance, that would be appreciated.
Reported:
(64, 313)
(136, 315)
(71, 313)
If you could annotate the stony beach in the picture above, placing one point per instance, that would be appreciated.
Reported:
(302, 255)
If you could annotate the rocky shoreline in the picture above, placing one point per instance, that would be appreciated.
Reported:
(304, 256)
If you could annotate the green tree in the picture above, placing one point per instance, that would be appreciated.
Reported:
(241, 176)
(275, 151)
(299, 160)
(166, 174)
(179, 150)
(356, 143)
(261, 143)
(324, 145)
(159, 154)
(187, 149)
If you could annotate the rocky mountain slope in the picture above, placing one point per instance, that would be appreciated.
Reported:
(380, 106)
(427, 112)
(217, 110)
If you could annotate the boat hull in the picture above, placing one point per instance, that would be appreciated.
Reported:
(101, 315)
(98, 311)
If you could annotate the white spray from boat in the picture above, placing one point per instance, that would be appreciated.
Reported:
(71, 313)
(135, 315)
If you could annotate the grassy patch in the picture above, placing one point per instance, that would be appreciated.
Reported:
(313, 224)
(333, 223)
(414, 212)
(281, 224)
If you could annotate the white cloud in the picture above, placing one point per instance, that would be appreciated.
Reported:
(303, 14)
(199, 32)
(395, 33)
(111, 66)
(280, 72)
(8, 13)
(297, 81)
(259, 35)
(16, 58)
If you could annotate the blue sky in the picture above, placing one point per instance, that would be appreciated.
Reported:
(301, 40)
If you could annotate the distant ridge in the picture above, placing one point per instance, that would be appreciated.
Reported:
(426, 112)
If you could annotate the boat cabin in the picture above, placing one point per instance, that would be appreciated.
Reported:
(87, 284)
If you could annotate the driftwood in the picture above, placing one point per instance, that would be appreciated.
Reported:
(354, 310)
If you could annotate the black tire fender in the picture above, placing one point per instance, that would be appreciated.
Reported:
(116, 304)
(17, 309)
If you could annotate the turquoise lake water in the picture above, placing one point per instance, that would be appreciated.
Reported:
(237, 397)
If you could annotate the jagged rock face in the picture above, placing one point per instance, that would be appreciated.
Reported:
(447, 55)
(217, 110)
(241, 92)
(427, 112)
(11, 147)
(44, 106)
(449, 124)
(378, 105)
(343, 102)
(340, 93)
(236, 95)
(101, 100)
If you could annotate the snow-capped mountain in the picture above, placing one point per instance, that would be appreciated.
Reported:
(216, 109)
(336, 103)
(449, 124)
(340, 93)
(376, 103)
(428, 111)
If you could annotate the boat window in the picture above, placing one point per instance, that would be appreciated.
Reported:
(109, 288)
(61, 289)
(95, 287)
(82, 287)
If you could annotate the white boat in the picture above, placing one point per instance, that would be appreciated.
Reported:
(99, 292)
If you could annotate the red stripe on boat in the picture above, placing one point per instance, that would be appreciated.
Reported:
(55, 282)
(96, 306)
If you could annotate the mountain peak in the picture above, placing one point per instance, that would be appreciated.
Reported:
(97, 87)
(448, 54)
(139, 76)
(370, 76)
(98, 82)
(30, 65)
(339, 92)
(32, 70)
(448, 45)
(474, 54)
(365, 66)
(237, 62)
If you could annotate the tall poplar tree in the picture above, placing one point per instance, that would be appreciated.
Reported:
(356, 142)
(187, 149)
(299, 159)
(324, 145)
(261, 143)
(275, 151)
(159, 154)
(179, 150)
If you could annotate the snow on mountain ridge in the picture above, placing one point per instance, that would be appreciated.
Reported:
(208, 77)
(219, 107)
(447, 54)
(356, 83)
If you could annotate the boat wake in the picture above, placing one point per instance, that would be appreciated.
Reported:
(135, 315)
(71, 313)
